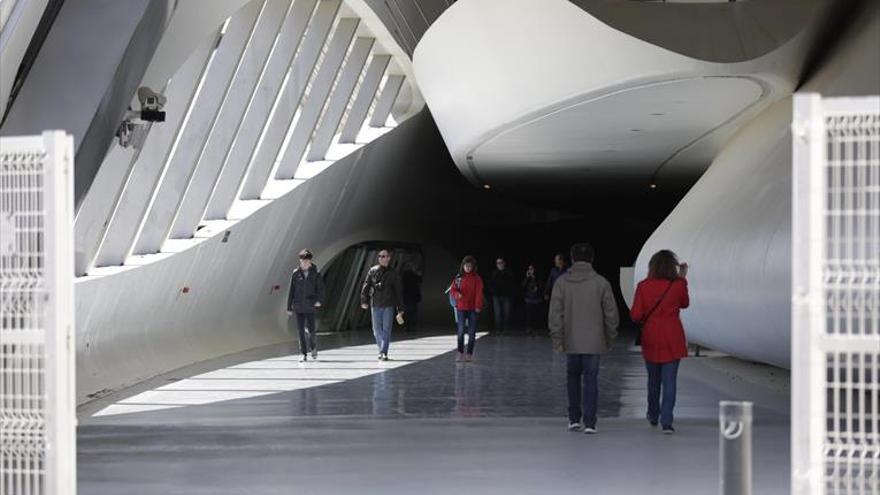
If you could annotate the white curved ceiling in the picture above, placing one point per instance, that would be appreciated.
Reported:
(528, 92)
(633, 131)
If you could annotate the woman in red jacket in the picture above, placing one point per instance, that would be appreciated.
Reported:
(467, 290)
(658, 301)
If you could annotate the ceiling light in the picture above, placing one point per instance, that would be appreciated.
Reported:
(487, 187)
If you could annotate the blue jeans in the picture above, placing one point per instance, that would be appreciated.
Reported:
(583, 388)
(383, 318)
(468, 318)
(661, 376)
(501, 305)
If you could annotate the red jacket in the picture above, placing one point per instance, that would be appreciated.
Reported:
(468, 292)
(663, 338)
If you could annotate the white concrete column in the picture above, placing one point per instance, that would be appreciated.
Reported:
(191, 144)
(314, 103)
(18, 21)
(138, 189)
(340, 99)
(357, 114)
(97, 206)
(237, 97)
(288, 102)
(386, 100)
(260, 108)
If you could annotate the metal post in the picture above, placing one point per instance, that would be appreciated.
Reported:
(735, 448)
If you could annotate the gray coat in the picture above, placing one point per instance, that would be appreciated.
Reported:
(583, 314)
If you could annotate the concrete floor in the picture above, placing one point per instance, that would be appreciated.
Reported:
(422, 424)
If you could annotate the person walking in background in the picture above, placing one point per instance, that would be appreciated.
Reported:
(305, 297)
(382, 293)
(533, 298)
(559, 267)
(467, 290)
(412, 296)
(583, 324)
(658, 301)
(502, 287)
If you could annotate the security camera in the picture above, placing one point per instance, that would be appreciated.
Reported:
(133, 130)
(152, 105)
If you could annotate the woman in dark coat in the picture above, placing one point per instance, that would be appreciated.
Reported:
(305, 297)
(658, 301)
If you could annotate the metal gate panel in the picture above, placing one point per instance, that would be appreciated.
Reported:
(836, 296)
(37, 401)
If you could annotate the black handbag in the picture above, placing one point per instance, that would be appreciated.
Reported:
(644, 320)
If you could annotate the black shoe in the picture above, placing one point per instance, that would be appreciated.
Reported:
(651, 420)
(668, 430)
(304, 358)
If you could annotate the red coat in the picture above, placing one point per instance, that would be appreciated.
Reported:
(663, 338)
(468, 293)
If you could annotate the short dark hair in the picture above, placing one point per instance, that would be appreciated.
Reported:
(305, 254)
(664, 264)
(582, 251)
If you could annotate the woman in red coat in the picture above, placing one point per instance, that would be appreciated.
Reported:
(658, 301)
(467, 290)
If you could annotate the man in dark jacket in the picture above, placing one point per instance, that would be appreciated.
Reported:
(382, 291)
(559, 268)
(502, 287)
(305, 296)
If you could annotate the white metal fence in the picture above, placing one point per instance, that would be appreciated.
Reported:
(836, 296)
(37, 401)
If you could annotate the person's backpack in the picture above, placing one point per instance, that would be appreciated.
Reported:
(457, 283)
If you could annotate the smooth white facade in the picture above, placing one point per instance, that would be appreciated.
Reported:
(524, 87)
(734, 226)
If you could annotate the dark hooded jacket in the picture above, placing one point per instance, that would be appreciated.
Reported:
(306, 288)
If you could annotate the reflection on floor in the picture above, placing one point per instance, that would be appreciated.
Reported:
(425, 424)
(279, 374)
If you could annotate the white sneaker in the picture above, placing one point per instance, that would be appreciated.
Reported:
(304, 358)
(590, 431)
(576, 426)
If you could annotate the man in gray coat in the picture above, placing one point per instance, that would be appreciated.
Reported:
(583, 324)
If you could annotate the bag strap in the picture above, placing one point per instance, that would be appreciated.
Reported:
(645, 319)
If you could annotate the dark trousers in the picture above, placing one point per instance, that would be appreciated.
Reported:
(411, 316)
(533, 316)
(583, 388)
(467, 322)
(661, 377)
(308, 332)
(501, 305)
